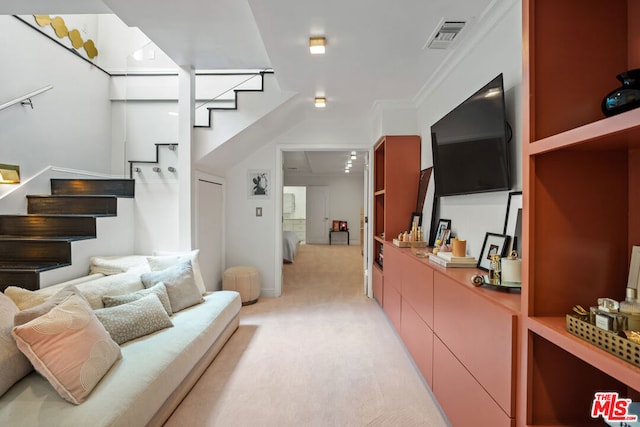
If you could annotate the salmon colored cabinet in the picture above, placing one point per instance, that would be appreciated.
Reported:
(581, 200)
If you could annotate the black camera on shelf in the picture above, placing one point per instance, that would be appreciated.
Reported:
(626, 97)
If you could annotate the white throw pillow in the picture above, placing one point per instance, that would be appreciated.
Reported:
(164, 259)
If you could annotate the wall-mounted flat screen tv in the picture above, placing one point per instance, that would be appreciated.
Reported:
(471, 145)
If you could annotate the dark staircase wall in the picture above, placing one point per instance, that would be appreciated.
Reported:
(41, 240)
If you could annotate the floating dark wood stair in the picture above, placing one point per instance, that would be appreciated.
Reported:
(41, 240)
(70, 205)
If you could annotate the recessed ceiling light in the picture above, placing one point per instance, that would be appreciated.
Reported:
(347, 171)
(353, 157)
(320, 102)
(317, 45)
(353, 153)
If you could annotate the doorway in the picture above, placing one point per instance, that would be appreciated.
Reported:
(323, 201)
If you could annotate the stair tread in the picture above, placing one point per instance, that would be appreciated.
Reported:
(29, 266)
(23, 237)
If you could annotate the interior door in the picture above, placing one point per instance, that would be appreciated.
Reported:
(317, 215)
(210, 232)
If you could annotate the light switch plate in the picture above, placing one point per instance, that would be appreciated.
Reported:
(258, 211)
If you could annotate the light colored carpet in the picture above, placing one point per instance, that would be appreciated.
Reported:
(322, 354)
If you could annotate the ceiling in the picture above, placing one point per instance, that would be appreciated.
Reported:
(323, 162)
(375, 48)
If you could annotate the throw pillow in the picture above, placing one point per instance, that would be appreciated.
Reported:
(27, 315)
(13, 364)
(69, 347)
(159, 289)
(115, 264)
(134, 319)
(181, 286)
(165, 259)
(25, 298)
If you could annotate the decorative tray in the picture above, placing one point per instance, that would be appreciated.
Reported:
(416, 244)
(607, 341)
(483, 280)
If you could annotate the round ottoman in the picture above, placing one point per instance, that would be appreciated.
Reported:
(242, 279)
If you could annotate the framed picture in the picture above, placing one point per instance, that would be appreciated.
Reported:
(416, 218)
(335, 225)
(259, 184)
(513, 221)
(342, 226)
(446, 233)
(493, 244)
(423, 185)
(443, 224)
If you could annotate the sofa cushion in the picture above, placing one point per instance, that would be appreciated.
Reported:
(165, 259)
(13, 364)
(27, 315)
(24, 298)
(116, 264)
(158, 289)
(69, 347)
(181, 286)
(134, 319)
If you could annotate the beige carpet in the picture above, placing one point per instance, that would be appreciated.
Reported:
(322, 354)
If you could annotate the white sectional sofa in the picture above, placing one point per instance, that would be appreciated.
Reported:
(150, 379)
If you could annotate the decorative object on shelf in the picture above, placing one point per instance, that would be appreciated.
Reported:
(494, 244)
(342, 226)
(494, 269)
(443, 224)
(259, 184)
(626, 97)
(513, 221)
(458, 247)
(512, 268)
(416, 220)
(483, 280)
(335, 225)
(446, 260)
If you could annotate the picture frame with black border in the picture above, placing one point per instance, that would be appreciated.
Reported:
(258, 184)
(443, 224)
(494, 243)
(513, 221)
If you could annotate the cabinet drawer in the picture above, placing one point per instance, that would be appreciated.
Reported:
(391, 305)
(392, 266)
(418, 338)
(462, 398)
(481, 334)
(417, 288)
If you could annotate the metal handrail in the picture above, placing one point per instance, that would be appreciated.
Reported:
(230, 89)
(25, 97)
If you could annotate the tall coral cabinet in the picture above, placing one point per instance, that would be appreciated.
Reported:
(581, 185)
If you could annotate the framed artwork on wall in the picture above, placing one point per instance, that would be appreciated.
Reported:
(259, 184)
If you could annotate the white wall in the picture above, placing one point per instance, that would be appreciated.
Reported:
(497, 50)
(70, 125)
(346, 196)
(250, 239)
(300, 205)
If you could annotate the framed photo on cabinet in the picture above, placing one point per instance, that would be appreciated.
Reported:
(493, 244)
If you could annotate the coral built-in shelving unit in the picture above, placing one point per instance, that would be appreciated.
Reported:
(581, 185)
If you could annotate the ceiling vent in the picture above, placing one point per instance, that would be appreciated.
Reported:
(445, 35)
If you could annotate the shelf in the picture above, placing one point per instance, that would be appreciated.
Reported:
(618, 132)
(379, 193)
(378, 239)
(553, 329)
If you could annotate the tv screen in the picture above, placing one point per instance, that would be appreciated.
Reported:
(471, 145)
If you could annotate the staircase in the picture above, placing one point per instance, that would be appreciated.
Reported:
(41, 240)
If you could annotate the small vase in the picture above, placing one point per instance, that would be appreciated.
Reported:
(626, 97)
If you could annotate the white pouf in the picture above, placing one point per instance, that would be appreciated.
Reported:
(242, 279)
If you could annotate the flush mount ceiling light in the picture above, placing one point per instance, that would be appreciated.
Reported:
(317, 45)
(320, 102)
